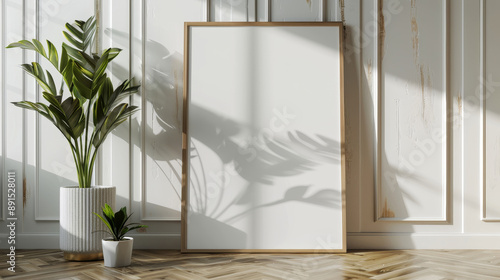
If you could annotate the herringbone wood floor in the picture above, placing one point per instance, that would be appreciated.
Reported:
(161, 264)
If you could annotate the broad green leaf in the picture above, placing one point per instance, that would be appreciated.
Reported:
(61, 88)
(68, 74)
(83, 85)
(59, 117)
(119, 218)
(53, 57)
(108, 211)
(23, 44)
(78, 74)
(100, 107)
(44, 111)
(101, 65)
(113, 117)
(33, 106)
(80, 23)
(60, 121)
(39, 47)
(53, 100)
(69, 106)
(75, 31)
(74, 53)
(82, 33)
(85, 25)
(75, 118)
(89, 34)
(36, 71)
(73, 41)
(79, 128)
(51, 83)
(86, 69)
(28, 68)
(117, 116)
(64, 60)
(123, 232)
(113, 52)
(90, 60)
(98, 82)
(124, 93)
(76, 93)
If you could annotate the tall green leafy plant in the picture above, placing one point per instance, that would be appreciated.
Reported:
(86, 107)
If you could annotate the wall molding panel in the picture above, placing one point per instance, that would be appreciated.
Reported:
(413, 142)
(482, 108)
(488, 109)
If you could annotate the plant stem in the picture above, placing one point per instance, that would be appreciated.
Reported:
(76, 155)
(88, 147)
(92, 161)
(73, 152)
(81, 173)
(89, 165)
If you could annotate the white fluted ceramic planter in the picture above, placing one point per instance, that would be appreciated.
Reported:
(81, 232)
(117, 253)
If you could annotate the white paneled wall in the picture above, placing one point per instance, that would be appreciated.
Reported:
(421, 92)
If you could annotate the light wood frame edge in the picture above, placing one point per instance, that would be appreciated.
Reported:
(185, 128)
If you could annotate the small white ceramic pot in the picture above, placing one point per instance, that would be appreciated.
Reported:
(117, 253)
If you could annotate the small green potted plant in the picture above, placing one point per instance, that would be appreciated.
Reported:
(117, 249)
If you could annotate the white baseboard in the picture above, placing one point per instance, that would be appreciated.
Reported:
(157, 241)
(391, 241)
(31, 241)
(395, 241)
(51, 241)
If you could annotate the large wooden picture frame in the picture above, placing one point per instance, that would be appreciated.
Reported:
(263, 138)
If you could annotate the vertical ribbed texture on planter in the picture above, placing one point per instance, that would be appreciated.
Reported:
(81, 231)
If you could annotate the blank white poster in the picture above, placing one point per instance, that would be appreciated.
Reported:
(263, 160)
